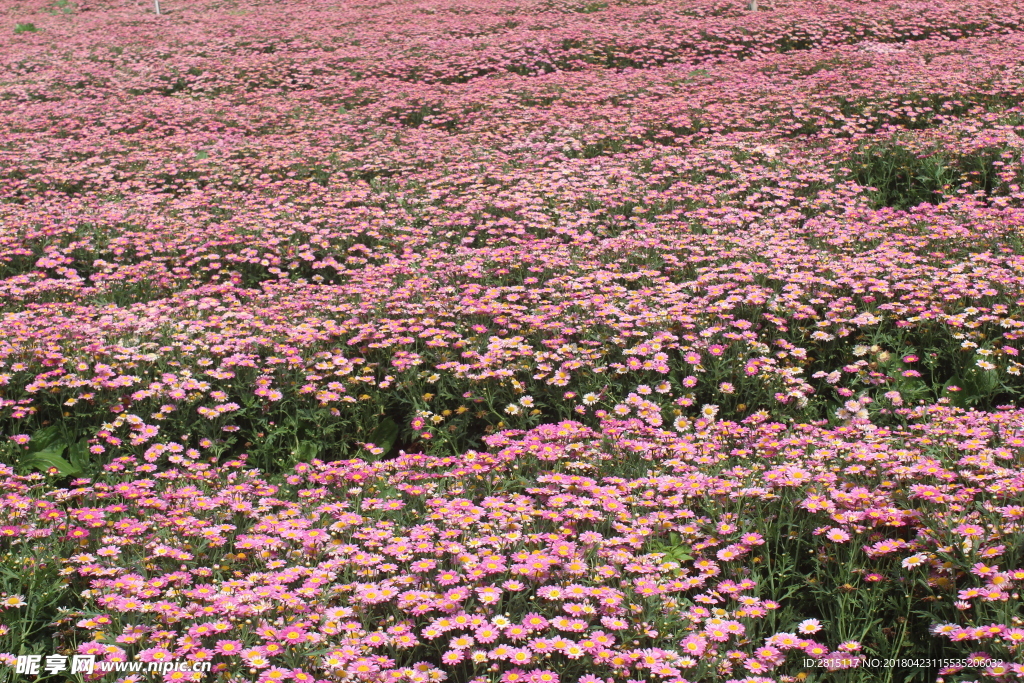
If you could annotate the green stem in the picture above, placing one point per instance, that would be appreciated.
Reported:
(903, 635)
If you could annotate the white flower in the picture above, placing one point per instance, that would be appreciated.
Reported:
(526, 401)
(914, 561)
(512, 409)
(809, 626)
(14, 601)
(590, 399)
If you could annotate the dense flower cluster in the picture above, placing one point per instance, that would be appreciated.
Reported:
(513, 340)
(556, 550)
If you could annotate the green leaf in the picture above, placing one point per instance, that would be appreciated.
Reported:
(78, 454)
(675, 550)
(385, 435)
(305, 451)
(680, 554)
(10, 573)
(957, 398)
(44, 460)
(44, 438)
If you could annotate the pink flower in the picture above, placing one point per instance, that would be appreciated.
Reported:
(155, 654)
(693, 645)
(837, 535)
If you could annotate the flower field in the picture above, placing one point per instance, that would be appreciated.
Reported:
(513, 341)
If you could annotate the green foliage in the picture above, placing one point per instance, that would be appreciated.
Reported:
(591, 7)
(48, 448)
(25, 28)
(673, 549)
(385, 436)
(31, 568)
(62, 7)
(901, 176)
